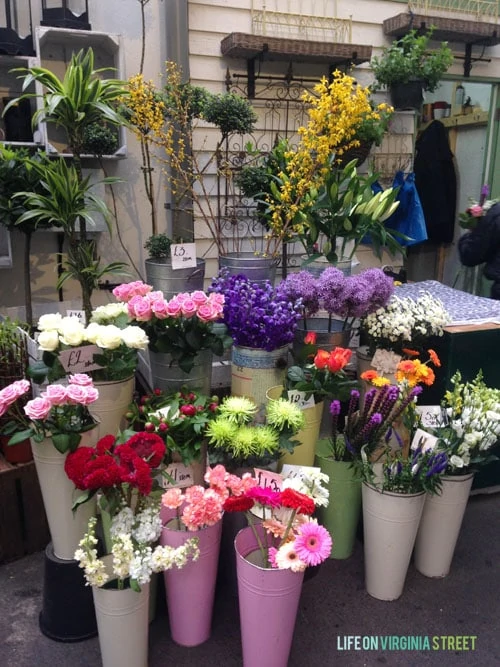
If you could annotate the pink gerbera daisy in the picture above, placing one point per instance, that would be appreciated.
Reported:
(287, 558)
(313, 543)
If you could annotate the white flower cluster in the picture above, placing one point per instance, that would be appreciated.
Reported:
(86, 555)
(310, 484)
(474, 426)
(405, 320)
(109, 313)
(56, 330)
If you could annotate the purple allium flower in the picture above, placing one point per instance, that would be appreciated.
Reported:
(301, 285)
(331, 287)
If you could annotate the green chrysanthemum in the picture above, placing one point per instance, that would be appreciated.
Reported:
(266, 440)
(284, 415)
(238, 409)
(244, 443)
(221, 432)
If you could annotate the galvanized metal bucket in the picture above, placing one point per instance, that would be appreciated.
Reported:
(256, 268)
(161, 275)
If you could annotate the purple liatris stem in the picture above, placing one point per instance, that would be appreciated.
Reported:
(365, 433)
(485, 191)
(369, 398)
(416, 391)
(335, 412)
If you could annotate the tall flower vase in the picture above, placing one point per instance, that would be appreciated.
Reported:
(390, 524)
(254, 371)
(341, 516)
(191, 590)
(440, 526)
(303, 454)
(169, 377)
(123, 625)
(58, 492)
(268, 602)
(112, 404)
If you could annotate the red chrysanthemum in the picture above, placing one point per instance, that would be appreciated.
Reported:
(126, 454)
(297, 501)
(149, 446)
(112, 475)
(76, 463)
(238, 504)
(105, 444)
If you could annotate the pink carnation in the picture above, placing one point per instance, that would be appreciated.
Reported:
(81, 379)
(38, 408)
(172, 499)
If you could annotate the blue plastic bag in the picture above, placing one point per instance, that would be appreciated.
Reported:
(408, 218)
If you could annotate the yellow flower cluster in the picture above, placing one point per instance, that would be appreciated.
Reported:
(335, 111)
(146, 109)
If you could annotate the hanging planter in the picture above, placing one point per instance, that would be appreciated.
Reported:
(407, 96)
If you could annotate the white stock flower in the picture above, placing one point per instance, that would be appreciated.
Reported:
(456, 461)
(71, 331)
(48, 340)
(134, 337)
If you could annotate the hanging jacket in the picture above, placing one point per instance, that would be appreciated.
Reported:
(436, 182)
(482, 246)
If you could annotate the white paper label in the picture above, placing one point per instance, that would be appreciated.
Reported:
(430, 415)
(181, 476)
(268, 480)
(80, 314)
(183, 255)
(299, 398)
(385, 361)
(289, 471)
(423, 439)
(79, 359)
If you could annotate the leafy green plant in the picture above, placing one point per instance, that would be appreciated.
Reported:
(158, 246)
(409, 58)
(65, 200)
(99, 140)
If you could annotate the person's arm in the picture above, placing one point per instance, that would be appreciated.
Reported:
(475, 246)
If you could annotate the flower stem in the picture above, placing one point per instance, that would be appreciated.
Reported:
(262, 549)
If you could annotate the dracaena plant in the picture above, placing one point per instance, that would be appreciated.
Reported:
(68, 201)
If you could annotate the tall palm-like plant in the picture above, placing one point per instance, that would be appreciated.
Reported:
(81, 98)
(66, 199)
(18, 173)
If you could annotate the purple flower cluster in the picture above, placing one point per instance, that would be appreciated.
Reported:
(337, 294)
(255, 315)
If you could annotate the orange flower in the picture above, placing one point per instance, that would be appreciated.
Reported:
(339, 358)
(369, 376)
(434, 358)
(407, 366)
(410, 353)
(380, 381)
(321, 359)
(310, 338)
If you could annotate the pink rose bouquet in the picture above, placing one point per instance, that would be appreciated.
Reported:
(61, 412)
(181, 326)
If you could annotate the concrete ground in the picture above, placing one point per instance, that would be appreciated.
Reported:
(334, 606)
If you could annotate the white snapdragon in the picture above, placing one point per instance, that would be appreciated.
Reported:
(123, 553)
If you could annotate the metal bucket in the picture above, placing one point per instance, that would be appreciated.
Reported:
(161, 275)
(168, 376)
(317, 267)
(256, 269)
(325, 340)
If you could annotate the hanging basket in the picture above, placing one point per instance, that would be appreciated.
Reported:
(359, 153)
(407, 96)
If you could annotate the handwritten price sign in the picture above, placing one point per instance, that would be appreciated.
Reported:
(299, 398)
(177, 475)
(268, 479)
(183, 255)
(289, 471)
(430, 415)
(80, 359)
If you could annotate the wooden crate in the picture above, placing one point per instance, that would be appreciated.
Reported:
(23, 524)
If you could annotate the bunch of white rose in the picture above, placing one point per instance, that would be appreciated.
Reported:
(57, 331)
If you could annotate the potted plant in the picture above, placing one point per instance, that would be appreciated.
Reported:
(122, 472)
(466, 431)
(370, 130)
(161, 274)
(407, 67)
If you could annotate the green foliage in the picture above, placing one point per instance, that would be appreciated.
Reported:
(158, 246)
(408, 58)
(230, 113)
(99, 140)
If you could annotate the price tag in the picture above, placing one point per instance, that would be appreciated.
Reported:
(79, 359)
(289, 471)
(430, 415)
(183, 255)
(182, 476)
(80, 314)
(385, 361)
(268, 479)
(299, 398)
(423, 439)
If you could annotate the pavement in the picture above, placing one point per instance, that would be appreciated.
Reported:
(335, 613)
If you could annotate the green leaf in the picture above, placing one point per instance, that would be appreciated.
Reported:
(61, 442)
(20, 436)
